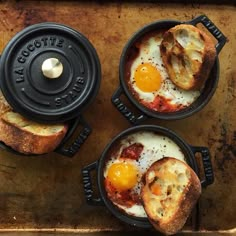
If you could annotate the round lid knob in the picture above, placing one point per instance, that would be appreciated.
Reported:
(52, 68)
(49, 72)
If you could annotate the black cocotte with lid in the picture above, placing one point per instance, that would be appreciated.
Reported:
(50, 73)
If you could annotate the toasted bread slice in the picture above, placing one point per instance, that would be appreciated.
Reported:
(29, 137)
(4, 106)
(188, 55)
(169, 194)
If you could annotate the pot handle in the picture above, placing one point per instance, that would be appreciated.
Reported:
(124, 110)
(212, 29)
(207, 166)
(75, 146)
(88, 189)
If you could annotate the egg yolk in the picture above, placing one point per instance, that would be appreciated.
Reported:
(122, 176)
(147, 78)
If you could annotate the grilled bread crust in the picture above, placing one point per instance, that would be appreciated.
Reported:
(169, 194)
(29, 137)
(188, 54)
(4, 106)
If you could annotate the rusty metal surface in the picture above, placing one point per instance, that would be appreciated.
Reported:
(46, 192)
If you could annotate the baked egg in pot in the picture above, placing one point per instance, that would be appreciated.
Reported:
(158, 97)
(131, 153)
(50, 73)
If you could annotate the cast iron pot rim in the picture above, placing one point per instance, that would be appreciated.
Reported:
(183, 113)
(93, 57)
(186, 148)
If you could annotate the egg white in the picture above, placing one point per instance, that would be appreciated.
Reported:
(150, 53)
(155, 148)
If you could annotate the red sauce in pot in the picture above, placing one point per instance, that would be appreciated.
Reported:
(133, 151)
(161, 104)
(124, 198)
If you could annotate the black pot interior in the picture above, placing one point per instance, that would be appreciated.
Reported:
(206, 92)
(132, 220)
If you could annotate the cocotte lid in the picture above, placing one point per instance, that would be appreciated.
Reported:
(49, 72)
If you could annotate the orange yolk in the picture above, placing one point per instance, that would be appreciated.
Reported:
(147, 78)
(123, 176)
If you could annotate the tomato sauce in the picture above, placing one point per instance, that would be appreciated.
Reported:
(162, 104)
(124, 198)
(133, 151)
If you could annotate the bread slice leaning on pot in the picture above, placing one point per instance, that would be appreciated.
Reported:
(188, 54)
(26, 136)
(169, 194)
(29, 137)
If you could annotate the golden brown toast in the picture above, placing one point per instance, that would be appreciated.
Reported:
(4, 106)
(29, 137)
(188, 54)
(169, 194)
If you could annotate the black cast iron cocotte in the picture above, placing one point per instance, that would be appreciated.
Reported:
(98, 166)
(50, 73)
(143, 112)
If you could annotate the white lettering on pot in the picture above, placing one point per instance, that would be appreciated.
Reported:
(72, 94)
(20, 74)
(38, 43)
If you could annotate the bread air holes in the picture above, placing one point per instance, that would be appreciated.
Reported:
(175, 64)
(180, 188)
(169, 190)
(160, 212)
(195, 55)
(182, 37)
(181, 178)
(187, 65)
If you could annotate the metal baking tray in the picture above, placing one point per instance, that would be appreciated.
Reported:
(44, 195)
